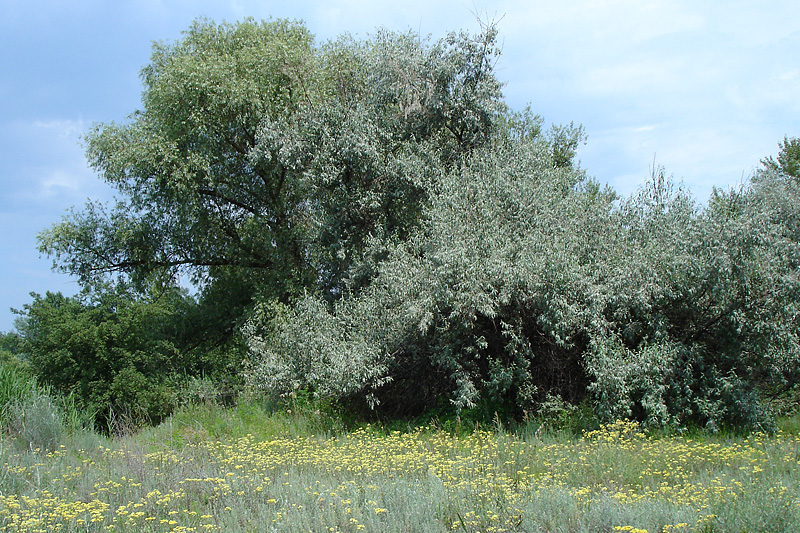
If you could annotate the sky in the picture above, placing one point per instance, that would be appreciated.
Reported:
(705, 89)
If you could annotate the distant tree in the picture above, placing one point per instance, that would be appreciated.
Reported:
(12, 356)
(788, 162)
(11, 343)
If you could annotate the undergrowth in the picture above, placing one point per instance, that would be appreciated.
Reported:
(292, 465)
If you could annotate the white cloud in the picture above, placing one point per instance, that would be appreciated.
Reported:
(59, 181)
(64, 129)
(53, 170)
(708, 88)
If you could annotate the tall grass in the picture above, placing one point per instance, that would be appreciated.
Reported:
(252, 469)
(35, 415)
(15, 386)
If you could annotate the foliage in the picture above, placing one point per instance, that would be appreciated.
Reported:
(528, 280)
(377, 228)
(10, 344)
(426, 305)
(16, 384)
(38, 421)
(35, 414)
(261, 157)
(113, 352)
(788, 162)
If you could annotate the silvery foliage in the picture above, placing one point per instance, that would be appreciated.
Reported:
(479, 256)
(390, 112)
(676, 311)
(525, 280)
(397, 111)
(310, 346)
(708, 312)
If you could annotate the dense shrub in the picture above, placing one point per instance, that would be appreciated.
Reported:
(528, 280)
(113, 351)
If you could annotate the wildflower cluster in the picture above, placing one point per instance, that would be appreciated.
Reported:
(425, 480)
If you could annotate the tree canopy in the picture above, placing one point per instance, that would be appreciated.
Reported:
(380, 227)
(259, 152)
(788, 162)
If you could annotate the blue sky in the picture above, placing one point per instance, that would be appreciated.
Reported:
(705, 89)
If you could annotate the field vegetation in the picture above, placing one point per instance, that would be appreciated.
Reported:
(413, 310)
(294, 467)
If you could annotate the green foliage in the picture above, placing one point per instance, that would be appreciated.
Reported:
(263, 158)
(10, 345)
(113, 352)
(788, 162)
(368, 222)
(195, 197)
(16, 384)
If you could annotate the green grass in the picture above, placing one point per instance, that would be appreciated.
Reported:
(15, 385)
(258, 468)
(33, 414)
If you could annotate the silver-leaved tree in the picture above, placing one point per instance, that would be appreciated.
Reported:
(392, 232)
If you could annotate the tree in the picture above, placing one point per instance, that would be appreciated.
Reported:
(11, 343)
(381, 227)
(270, 165)
(266, 167)
(788, 163)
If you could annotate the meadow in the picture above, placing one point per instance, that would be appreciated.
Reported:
(252, 469)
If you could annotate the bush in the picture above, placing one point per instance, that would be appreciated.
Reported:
(529, 281)
(108, 350)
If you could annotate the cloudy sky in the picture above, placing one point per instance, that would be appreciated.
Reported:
(705, 89)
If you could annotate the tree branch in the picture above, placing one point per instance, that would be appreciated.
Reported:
(216, 194)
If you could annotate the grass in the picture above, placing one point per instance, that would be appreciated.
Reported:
(252, 469)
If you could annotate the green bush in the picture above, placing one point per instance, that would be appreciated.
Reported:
(110, 351)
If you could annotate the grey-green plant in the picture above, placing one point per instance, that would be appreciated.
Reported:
(383, 230)
(38, 421)
(527, 279)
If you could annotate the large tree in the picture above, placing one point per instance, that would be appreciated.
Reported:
(264, 163)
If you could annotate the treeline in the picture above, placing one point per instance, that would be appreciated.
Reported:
(368, 221)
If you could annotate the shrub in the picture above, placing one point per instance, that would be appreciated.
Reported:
(108, 350)
(528, 280)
